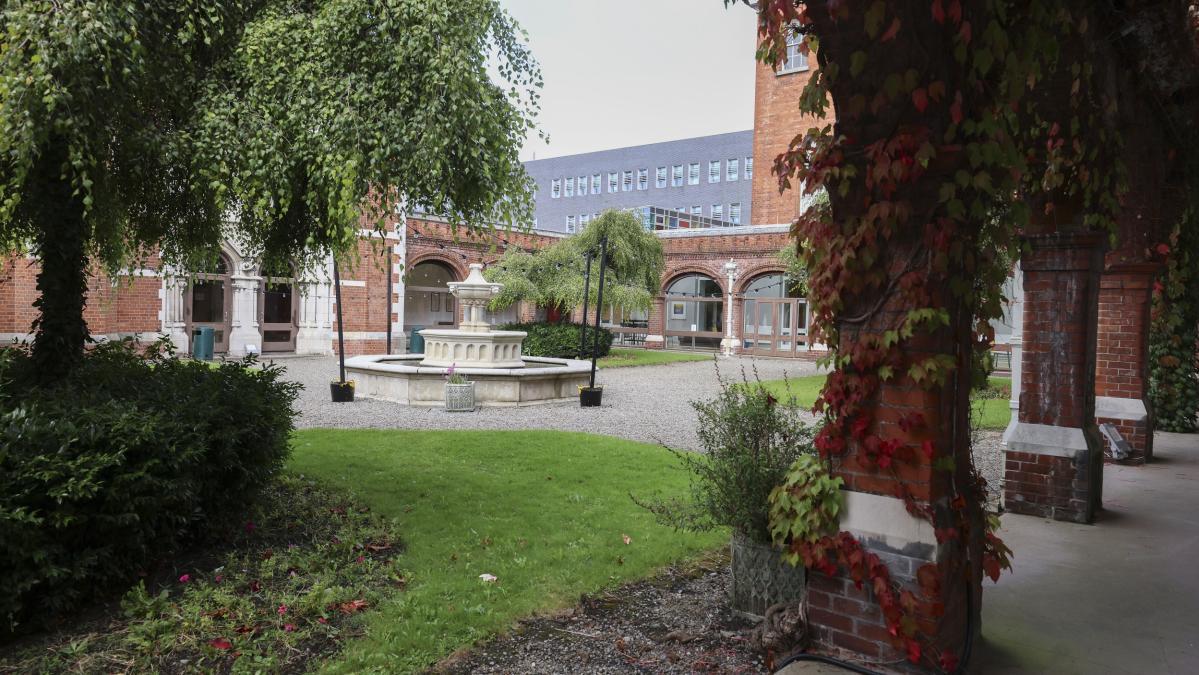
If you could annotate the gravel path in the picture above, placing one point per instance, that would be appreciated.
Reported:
(641, 403)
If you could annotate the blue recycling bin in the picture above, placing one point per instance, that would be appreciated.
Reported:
(416, 341)
(203, 341)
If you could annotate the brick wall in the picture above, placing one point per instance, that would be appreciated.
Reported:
(777, 120)
(1122, 355)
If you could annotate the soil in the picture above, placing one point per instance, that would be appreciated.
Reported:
(676, 622)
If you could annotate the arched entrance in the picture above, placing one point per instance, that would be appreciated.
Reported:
(277, 312)
(209, 302)
(694, 313)
(427, 299)
(774, 316)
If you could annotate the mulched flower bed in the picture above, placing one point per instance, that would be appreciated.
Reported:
(676, 622)
(279, 593)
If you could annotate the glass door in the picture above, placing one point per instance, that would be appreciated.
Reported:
(278, 305)
(208, 304)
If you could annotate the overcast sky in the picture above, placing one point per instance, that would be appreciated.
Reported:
(628, 72)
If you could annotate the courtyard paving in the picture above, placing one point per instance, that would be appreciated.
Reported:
(645, 403)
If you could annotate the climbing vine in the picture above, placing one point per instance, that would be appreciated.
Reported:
(1174, 332)
(946, 111)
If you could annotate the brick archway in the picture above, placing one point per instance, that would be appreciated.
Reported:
(675, 273)
(455, 266)
(750, 275)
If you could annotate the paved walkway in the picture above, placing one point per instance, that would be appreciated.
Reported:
(644, 403)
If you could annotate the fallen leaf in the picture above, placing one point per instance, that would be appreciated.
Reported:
(220, 643)
(352, 606)
(627, 539)
(489, 578)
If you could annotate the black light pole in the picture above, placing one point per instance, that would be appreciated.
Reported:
(599, 305)
(341, 342)
(586, 297)
(390, 297)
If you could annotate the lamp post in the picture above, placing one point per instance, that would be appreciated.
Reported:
(728, 346)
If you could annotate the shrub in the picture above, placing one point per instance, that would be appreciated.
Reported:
(130, 458)
(560, 340)
(750, 441)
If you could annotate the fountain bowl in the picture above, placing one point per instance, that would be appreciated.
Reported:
(404, 379)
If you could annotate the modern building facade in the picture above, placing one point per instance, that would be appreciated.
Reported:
(708, 176)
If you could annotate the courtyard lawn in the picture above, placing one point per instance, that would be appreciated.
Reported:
(621, 358)
(990, 407)
(546, 512)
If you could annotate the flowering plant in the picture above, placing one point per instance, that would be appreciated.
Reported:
(453, 377)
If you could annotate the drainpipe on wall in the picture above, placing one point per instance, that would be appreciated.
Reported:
(728, 346)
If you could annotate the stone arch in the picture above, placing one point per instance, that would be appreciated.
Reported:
(455, 264)
(747, 276)
(677, 273)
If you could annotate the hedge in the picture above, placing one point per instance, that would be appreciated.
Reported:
(560, 340)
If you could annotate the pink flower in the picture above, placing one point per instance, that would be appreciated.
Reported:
(289, 627)
(361, 559)
(282, 610)
(219, 578)
(185, 578)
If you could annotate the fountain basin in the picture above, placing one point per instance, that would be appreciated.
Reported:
(404, 380)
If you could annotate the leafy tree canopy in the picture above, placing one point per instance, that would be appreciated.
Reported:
(129, 126)
(555, 276)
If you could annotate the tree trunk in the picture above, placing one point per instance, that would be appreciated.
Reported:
(60, 331)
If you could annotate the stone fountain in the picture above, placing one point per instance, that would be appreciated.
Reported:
(492, 359)
(474, 344)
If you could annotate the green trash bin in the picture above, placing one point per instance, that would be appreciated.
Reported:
(416, 341)
(203, 340)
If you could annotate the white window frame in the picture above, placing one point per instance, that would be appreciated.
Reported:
(795, 60)
(714, 171)
(642, 179)
(613, 182)
(697, 210)
(556, 188)
(660, 177)
(733, 172)
(718, 212)
(676, 175)
(735, 213)
(693, 173)
(749, 168)
(626, 180)
(570, 224)
(596, 184)
(570, 187)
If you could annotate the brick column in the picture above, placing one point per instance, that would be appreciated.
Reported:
(1122, 357)
(656, 325)
(844, 617)
(1054, 456)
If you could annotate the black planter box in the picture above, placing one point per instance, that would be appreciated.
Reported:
(590, 397)
(342, 392)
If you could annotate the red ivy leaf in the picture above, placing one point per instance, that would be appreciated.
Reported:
(955, 10)
(892, 31)
(220, 643)
(955, 110)
(938, 11)
(1163, 249)
(928, 449)
(920, 99)
(949, 661)
(913, 651)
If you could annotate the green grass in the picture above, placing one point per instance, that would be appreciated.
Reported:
(990, 407)
(543, 511)
(621, 358)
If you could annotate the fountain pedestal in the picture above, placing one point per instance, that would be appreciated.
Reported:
(473, 344)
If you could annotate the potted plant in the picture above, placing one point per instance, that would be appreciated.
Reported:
(459, 392)
(342, 392)
(591, 397)
(750, 440)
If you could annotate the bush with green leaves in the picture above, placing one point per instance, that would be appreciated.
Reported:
(561, 340)
(129, 458)
(1174, 333)
(749, 442)
(805, 506)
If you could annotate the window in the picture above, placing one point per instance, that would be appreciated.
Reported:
(584, 219)
(749, 168)
(570, 187)
(694, 313)
(735, 213)
(570, 224)
(626, 184)
(734, 170)
(714, 171)
(642, 179)
(676, 175)
(697, 210)
(718, 212)
(613, 181)
(660, 177)
(595, 184)
(556, 188)
(693, 174)
(795, 61)
(582, 186)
